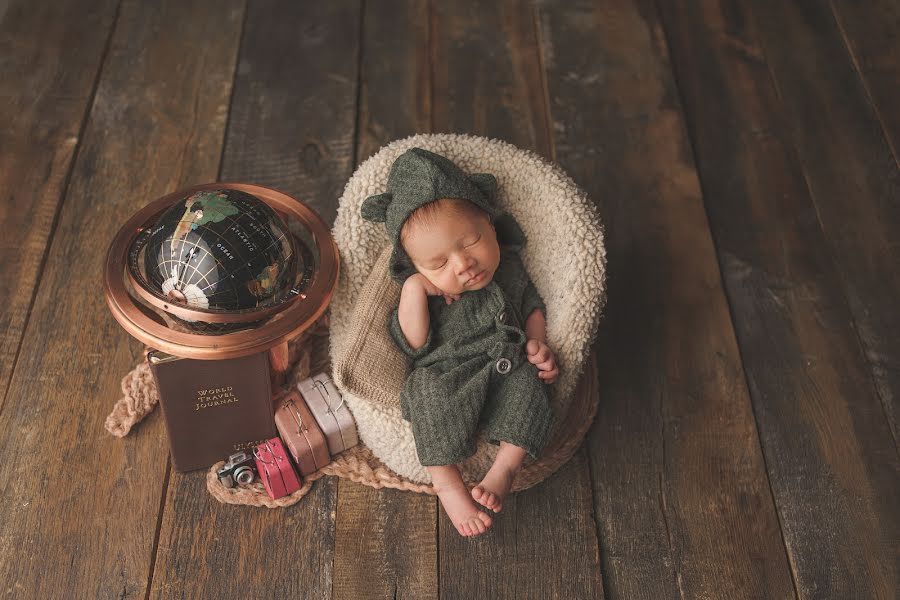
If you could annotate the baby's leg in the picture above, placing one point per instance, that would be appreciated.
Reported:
(455, 498)
(499, 478)
(518, 416)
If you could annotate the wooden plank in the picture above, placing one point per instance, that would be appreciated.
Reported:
(81, 507)
(870, 31)
(681, 494)
(852, 175)
(385, 540)
(830, 455)
(298, 80)
(395, 81)
(385, 544)
(45, 93)
(488, 81)
(290, 127)
(486, 72)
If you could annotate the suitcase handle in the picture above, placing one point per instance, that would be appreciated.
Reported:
(321, 383)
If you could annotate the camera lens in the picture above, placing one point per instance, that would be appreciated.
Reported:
(243, 475)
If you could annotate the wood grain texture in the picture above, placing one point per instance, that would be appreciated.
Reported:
(81, 506)
(45, 93)
(680, 488)
(830, 455)
(790, 114)
(386, 540)
(395, 78)
(871, 31)
(488, 81)
(298, 86)
(486, 72)
(385, 544)
(290, 127)
(852, 175)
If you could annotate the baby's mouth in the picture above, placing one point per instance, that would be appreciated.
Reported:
(475, 279)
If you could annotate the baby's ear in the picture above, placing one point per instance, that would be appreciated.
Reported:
(487, 185)
(374, 208)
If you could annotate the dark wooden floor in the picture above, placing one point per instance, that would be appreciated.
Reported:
(743, 156)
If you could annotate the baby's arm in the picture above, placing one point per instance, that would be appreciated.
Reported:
(413, 312)
(536, 326)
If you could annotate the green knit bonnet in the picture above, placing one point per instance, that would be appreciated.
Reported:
(418, 177)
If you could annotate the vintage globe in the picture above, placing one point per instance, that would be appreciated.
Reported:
(223, 251)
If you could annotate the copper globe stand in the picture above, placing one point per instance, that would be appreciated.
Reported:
(272, 336)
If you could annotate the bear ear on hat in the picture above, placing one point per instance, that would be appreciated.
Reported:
(486, 184)
(374, 208)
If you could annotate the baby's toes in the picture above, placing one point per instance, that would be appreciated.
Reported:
(484, 497)
(477, 491)
(477, 526)
(464, 529)
(484, 519)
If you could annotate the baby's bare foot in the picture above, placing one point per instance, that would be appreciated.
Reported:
(494, 487)
(464, 513)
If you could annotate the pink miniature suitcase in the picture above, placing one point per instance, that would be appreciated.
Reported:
(330, 412)
(301, 434)
(275, 469)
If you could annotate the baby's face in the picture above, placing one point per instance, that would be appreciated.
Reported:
(453, 250)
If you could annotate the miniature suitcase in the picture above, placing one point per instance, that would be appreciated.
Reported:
(331, 413)
(275, 469)
(301, 434)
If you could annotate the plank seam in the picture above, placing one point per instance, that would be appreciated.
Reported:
(432, 49)
(159, 519)
(234, 77)
(545, 86)
(359, 71)
(863, 81)
(663, 504)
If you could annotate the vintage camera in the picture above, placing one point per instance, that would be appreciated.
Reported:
(239, 469)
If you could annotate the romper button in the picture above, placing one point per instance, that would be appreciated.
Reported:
(503, 366)
(502, 316)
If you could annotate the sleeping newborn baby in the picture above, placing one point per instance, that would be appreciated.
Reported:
(473, 324)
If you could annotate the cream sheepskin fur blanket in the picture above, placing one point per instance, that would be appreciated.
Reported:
(564, 256)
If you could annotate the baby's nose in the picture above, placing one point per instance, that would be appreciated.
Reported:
(464, 264)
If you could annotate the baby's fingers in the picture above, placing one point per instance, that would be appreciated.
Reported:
(547, 365)
(549, 376)
(541, 356)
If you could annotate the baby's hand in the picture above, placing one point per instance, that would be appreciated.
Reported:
(431, 289)
(540, 355)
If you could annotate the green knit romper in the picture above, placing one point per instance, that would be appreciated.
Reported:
(472, 372)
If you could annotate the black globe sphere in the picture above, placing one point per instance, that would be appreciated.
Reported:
(222, 250)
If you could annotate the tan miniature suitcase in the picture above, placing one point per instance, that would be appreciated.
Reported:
(301, 434)
(330, 411)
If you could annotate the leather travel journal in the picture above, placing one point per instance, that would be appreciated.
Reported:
(213, 408)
